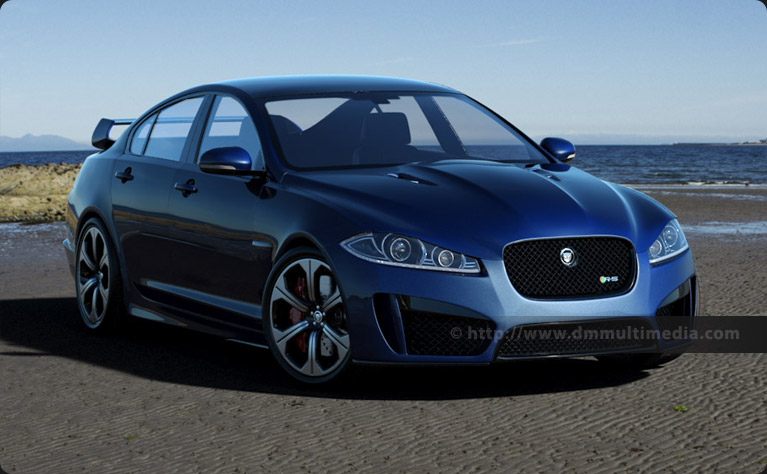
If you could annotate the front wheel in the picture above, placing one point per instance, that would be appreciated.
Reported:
(304, 318)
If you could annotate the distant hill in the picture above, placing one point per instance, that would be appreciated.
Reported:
(626, 139)
(31, 142)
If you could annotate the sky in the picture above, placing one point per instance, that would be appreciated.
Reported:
(597, 71)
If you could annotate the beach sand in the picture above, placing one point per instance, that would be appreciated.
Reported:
(157, 399)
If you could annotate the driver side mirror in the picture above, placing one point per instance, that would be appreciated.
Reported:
(231, 160)
(562, 150)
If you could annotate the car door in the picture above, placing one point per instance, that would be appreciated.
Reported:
(221, 262)
(143, 181)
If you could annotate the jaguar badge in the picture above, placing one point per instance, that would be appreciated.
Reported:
(567, 256)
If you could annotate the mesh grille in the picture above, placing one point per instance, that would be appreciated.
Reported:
(577, 338)
(442, 334)
(535, 267)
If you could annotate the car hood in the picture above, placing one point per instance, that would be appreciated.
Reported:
(477, 207)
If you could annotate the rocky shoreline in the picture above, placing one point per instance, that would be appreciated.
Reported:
(35, 193)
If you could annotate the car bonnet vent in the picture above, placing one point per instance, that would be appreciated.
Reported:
(411, 178)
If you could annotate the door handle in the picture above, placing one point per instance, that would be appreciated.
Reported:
(124, 175)
(186, 188)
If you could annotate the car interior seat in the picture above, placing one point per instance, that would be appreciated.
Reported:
(385, 139)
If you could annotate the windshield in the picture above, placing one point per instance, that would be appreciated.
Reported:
(382, 129)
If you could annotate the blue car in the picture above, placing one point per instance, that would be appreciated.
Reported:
(340, 219)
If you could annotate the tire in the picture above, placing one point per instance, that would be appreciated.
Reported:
(637, 361)
(304, 317)
(98, 285)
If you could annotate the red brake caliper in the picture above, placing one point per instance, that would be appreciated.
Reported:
(296, 315)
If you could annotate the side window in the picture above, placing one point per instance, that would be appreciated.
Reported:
(171, 129)
(139, 138)
(230, 125)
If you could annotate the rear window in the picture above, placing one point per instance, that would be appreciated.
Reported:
(139, 138)
(170, 130)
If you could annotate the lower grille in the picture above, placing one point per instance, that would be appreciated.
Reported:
(577, 338)
(578, 267)
(445, 335)
(675, 319)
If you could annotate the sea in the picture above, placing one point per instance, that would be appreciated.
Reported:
(625, 164)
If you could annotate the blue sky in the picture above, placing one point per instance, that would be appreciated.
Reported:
(617, 71)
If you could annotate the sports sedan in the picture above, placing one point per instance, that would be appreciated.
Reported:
(339, 219)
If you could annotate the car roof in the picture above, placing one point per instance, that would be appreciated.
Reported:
(310, 84)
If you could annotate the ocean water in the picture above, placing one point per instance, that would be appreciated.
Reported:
(43, 157)
(669, 164)
(640, 164)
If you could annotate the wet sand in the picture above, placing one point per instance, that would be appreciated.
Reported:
(160, 399)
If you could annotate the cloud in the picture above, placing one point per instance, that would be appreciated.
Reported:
(516, 42)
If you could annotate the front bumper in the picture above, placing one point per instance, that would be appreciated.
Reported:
(490, 297)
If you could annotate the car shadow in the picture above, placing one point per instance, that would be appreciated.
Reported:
(52, 327)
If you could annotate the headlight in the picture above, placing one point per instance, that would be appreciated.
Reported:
(409, 252)
(668, 244)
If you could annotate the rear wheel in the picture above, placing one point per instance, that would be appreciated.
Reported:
(97, 282)
(305, 319)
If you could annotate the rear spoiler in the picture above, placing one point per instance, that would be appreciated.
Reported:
(100, 138)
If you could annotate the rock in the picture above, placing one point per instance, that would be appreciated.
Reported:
(39, 191)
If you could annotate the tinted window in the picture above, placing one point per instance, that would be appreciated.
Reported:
(305, 113)
(482, 134)
(390, 128)
(171, 129)
(139, 138)
(421, 134)
(230, 125)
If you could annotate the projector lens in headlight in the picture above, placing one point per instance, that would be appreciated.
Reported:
(670, 243)
(670, 236)
(445, 258)
(400, 249)
(656, 249)
(403, 251)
